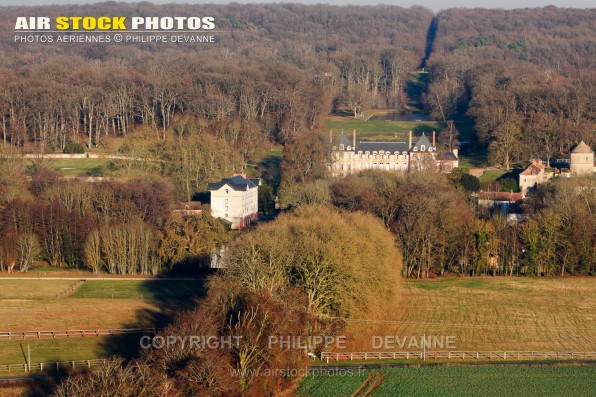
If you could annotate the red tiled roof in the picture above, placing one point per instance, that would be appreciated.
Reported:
(534, 168)
(500, 196)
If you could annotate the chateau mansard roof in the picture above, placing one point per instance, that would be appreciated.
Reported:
(237, 182)
(390, 147)
(447, 156)
(423, 145)
(343, 140)
(582, 148)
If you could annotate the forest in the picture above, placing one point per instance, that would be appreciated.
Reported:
(183, 116)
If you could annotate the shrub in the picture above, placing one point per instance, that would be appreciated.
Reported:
(73, 147)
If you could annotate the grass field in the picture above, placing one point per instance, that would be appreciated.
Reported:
(553, 314)
(492, 175)
(379, 130)
(486, 381)
(78, 167)
(45, 305)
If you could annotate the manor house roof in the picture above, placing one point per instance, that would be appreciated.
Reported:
(534, 169)
(237, 182)
(390, 147)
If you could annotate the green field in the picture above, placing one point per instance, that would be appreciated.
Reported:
(78, 167)
(380, 130)
(523, 381)
(492, 175)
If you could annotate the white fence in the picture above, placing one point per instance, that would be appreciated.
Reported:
(16, 335)
(459, 355)
(55, 366)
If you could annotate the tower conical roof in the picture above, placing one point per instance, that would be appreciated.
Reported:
(582, 148)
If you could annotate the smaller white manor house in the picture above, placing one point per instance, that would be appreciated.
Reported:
(235, 200)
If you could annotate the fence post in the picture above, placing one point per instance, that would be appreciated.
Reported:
(41, 367)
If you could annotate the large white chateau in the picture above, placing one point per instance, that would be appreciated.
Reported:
(235, 200)
(349, 157)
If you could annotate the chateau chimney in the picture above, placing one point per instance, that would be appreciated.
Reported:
(354, 139)
(434, 139)
(410, 143)
(456, 152)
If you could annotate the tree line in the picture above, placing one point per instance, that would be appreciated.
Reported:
(525, 77)
(279, 67)
(441, 229)
(117, 227)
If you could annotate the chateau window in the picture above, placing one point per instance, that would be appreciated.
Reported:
(227, 192)
(359, 166)
(387, 167)
(226, 207)
(341, 147)
(349, 147)
(227, 201)
(422, 147)
(415, 149)
(396, 167)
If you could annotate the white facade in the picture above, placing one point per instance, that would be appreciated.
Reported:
(235, 200)
(350, 158)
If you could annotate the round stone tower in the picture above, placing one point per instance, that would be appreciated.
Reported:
(582, 159)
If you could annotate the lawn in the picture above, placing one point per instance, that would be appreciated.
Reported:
(78, 167)
(51, 350)
(379, 130)
(492, 175)
(458, 381)
(505, 313)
